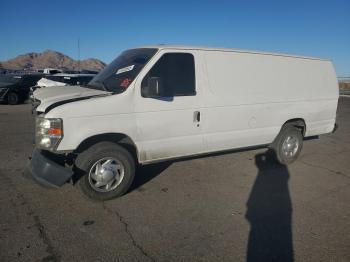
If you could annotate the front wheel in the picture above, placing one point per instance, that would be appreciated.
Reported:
(12, 98)
(108, 171)
(288, 144)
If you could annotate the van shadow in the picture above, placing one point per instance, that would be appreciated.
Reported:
(146, 173)
(269, 212)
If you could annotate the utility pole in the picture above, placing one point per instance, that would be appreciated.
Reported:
(79, 54)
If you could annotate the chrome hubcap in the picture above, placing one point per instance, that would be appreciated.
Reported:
(106, 174)
(290, 146)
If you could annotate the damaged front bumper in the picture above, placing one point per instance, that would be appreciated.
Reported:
(47, 171)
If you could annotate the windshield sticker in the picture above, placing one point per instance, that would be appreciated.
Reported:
(125, 83)
(125, 69)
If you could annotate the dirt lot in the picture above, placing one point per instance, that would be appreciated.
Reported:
(228, 207)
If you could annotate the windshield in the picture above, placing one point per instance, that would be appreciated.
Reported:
(119, 74)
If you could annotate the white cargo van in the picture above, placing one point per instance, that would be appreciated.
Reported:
(163, 102)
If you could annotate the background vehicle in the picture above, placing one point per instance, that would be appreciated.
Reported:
(50, 71)
(164, 102)
(62, 79)
(14, 89)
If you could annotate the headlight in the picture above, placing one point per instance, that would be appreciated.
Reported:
(48, 132)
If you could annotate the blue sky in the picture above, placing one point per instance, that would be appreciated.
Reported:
(105, 28)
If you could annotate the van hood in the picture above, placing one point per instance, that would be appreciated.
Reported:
(44, 82)
(50, 97)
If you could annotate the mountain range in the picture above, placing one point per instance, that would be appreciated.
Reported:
(51, 59)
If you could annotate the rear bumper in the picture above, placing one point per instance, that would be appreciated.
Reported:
(47, 172)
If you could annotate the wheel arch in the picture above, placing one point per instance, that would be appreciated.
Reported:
(118, 138)
(297, 122)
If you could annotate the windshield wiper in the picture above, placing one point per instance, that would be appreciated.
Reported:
(104, 85)
(97, 85)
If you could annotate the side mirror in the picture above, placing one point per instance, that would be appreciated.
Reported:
(154, 87)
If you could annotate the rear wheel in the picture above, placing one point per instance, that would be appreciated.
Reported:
(288, 144)
(107, 171)
(12, 98)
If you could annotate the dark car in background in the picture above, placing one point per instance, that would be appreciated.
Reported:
(15, 89)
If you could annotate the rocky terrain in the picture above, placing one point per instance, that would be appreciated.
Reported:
(50, 59)
(344, 85)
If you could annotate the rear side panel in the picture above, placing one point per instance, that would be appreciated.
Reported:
(250, 96)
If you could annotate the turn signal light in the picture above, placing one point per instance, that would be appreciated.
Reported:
(54, 132)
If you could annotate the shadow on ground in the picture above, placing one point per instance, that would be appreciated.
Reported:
(269, 212)
(146, 173)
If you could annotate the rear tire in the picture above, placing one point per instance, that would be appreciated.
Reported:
(107, 171)
(288, 144)
(12, 98)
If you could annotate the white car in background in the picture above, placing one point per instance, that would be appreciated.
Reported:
(58, 80)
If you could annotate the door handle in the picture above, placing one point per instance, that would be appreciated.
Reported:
(197, 117)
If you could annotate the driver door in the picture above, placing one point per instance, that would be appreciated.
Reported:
(169, 126)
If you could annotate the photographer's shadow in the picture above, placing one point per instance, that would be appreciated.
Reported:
(269, 212)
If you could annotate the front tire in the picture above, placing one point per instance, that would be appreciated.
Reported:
(107, 171)
(288, 144)
(12, 98)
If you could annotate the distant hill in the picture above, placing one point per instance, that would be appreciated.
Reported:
(50, 59)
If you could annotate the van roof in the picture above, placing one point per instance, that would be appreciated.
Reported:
(183, 47)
